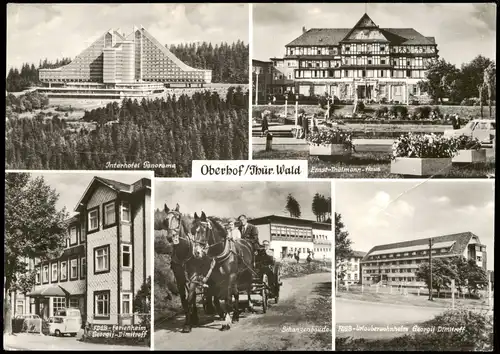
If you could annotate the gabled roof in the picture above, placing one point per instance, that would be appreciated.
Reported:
(333, 36)
(320, 36)
(459, 243)
(118, 187)
(411, 36)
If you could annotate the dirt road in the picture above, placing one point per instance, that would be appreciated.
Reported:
(301, 320)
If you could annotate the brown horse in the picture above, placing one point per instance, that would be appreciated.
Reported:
(186, 268)
(233, 267)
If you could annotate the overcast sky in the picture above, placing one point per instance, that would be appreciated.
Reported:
(53, 31)
(462, 31)
(71, 185)
(380, 212)
(230, 199)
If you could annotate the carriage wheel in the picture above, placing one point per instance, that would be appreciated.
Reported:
(277, 284)
(264, 293)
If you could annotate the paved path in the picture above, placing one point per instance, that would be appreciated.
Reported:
(26, 341)
(254, 331)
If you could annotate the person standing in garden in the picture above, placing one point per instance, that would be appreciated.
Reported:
(265, 125)
(305, 125)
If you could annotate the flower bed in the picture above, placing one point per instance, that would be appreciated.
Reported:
(469, 150)
(424, 146)
(423, 154)
(330, 142)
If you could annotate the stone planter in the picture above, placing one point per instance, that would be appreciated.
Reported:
(415, 166)
(328, 150)
(470, 156)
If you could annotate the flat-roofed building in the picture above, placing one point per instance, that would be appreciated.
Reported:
(397, 263)
(288, 235)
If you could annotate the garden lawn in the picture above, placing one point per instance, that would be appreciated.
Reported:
(411, 299)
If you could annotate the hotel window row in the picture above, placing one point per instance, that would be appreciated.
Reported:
(102, 258)
(409, 254)
(288, 231)
(109, 215)
(102, 304)
(386, 263)
(58, 271)
(361, 48)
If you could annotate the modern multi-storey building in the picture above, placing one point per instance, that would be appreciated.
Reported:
(397, 263)
(288, 235)
(117, 66)
(363, 62)
(351, 268)
(106, 259)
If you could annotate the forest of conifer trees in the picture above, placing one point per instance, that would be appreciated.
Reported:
(228, 62)
(172, 130)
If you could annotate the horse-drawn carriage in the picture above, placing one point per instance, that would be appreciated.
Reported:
(267, 280)
(203, 258)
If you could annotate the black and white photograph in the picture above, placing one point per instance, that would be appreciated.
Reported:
(414, 265)
(77, 260)
(126, 86)
(242, 265)
(376, 90)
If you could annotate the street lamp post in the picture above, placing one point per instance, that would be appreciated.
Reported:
(430, 270)
(256, 86)
(286, 104)
(296, 109)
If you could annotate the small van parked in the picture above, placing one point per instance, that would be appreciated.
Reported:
(482, 129)
(66, 321)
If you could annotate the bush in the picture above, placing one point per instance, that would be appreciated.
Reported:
(423, 112)
(381, 111)
(472, 101)
(399, 111)
(360, 107)
(291, 270)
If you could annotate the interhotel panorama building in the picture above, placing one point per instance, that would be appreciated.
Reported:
(118, 66)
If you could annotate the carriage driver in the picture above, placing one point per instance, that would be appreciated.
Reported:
(249, 232)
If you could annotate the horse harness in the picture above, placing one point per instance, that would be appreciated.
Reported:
(229, 249)
(182, 263)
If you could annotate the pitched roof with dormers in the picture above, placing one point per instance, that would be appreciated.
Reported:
(334, 36)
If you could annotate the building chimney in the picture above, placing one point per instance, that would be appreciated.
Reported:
(304, 29)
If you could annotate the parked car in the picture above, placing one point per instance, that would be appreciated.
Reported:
(482, 129)
(66, 321)
(18, 322)
(27, 317)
